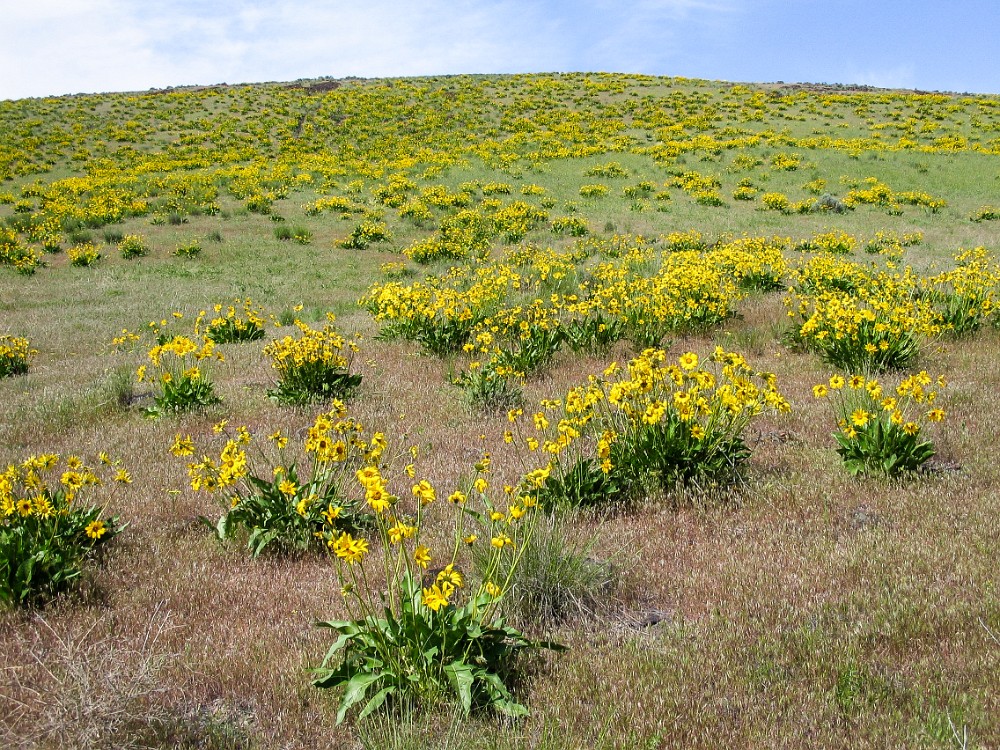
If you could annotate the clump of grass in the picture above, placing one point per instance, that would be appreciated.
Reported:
(80, 236)
(561, 578)
(190, 249)
(297, 233)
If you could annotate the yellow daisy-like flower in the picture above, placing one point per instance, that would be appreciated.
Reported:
(183, 446)
(332, 513)
(450, 576)
(433, 598)
(424, 491)
(349, 549)
(502, 540)
(378, 498)
(860, 417)
(368, 476)
(96, 529)
(911, 428)
(836, 382)
(935, 415)
(422, 556)
(820, 391)
(856, 381)
(688, 360)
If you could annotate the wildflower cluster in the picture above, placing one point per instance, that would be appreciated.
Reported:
(874, 326)
(879, 194)
(966, 296)
(288, 498)
(368, 231)
(433, 632)
(314, 365)
(657, 424)
(47, 531)
(879, 431)
(180, 375)
(236, 325)
(85, 254)
(132, 246)
(15, 354)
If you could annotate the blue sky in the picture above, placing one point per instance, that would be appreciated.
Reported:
(69, 46)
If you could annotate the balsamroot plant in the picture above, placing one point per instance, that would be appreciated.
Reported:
(652, 426)
(313, 366)
(431, 633)
(15, 354)
(879, 432)
(236, 325)
(47, 530)
(179, 375)
(288, 498)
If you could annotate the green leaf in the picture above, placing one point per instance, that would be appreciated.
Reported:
(460, 675)
(377, 700)
(222, 527)
(357, 688)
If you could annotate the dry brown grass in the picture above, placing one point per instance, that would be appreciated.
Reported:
(771, 597)
(805, 609)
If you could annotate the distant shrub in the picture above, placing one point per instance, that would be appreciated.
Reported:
(680, 241)
(593, 191)
(985, 213)
(365, 233)
(775, 202)
(190, 249)
(816, 187)
(84, 255)
(132, 246)
(496, 188)
(611, 169)
(15, 354)
(574, 226)
(786, 162)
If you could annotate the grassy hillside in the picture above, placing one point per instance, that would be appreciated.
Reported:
(491, 243)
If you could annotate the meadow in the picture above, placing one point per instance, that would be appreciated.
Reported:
(669, 401)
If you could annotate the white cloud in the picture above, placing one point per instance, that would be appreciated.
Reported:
(66, 46)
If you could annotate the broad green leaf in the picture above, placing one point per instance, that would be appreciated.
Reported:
(460, 675)
(357, 688)
(377, 700)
